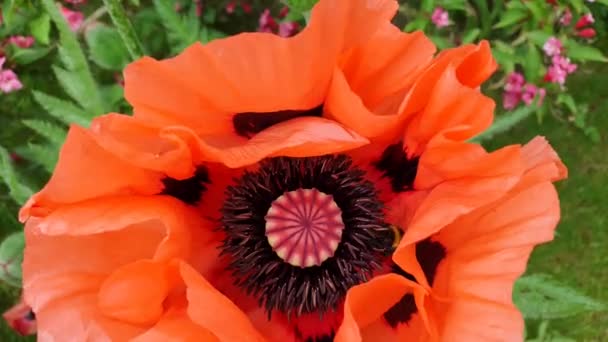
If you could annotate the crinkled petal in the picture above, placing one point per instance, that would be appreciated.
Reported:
(86, 170)
(206, 84)
(453, 110)
(366, 304)
(301, 137)
(366, 90)
(458, 187)
(213, 311)
(141, 144)
(473, 64)
(126, 295)
(176, 326)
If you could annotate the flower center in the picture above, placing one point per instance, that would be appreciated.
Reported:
(300, 232)
(304, 227)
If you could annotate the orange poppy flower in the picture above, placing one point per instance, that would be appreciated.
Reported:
(252, 199)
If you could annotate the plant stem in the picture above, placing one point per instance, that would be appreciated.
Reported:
(124, 27)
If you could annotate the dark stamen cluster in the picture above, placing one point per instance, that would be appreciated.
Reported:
(316, 289)
(250, 123)
(188, 190)
(429, 254)
(396, 166)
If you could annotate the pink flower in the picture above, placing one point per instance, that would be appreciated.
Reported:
(566, 18)
(74, 18)
(284, 11)
(514, 82)
(246, 6)
(510, 100)
(440, 17)
(199, 7)
(585, 20)
(552, 47)
(9, 81)
(586, 33)
(21, 319)
(529, 93)
(541, 96)
(513, 90)
(564, 63)
(559, 70)
(75, 1)
(267, 22)
(23, 42)
(288, 29)
(230, 7)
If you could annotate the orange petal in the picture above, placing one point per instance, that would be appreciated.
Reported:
(477, 320)
(301, 137)
(203, 86)
(453, 109)
(213, 311)
(472, 64)
(76, 318)
(487, 250)
(366, 91)
(366, 303)
(176, 326)
(542, 162)
(85, 170)
(141, 144)
(347, 107)
(126, 295)
(458, 187)
(477, 66)
(62, 275)
(387, 63)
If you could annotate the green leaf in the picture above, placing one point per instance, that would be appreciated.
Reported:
(8, 11)
(44, 155)
(540, 297)
(578, 5)
(8, 219)
(181, 32)
(416, 24)
(54, 133)
(71, 82)
(29, 55)
(11, 257)
(505, 56)
(505, 122)
(40, 28)
(440, 42)
(533, 64)
(582, 53)
(427, 5)
(454, 5)
(125, 29)
(111, 95)
(536, 9)
(568, 100)
(511, 17)
(539, 38)
(105, 49)
(471, 35)
(301, 6)
(17, 190)
(603, 2)
(62, 110)
(74, 59)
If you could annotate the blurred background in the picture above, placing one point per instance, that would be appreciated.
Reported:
(61, 63)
